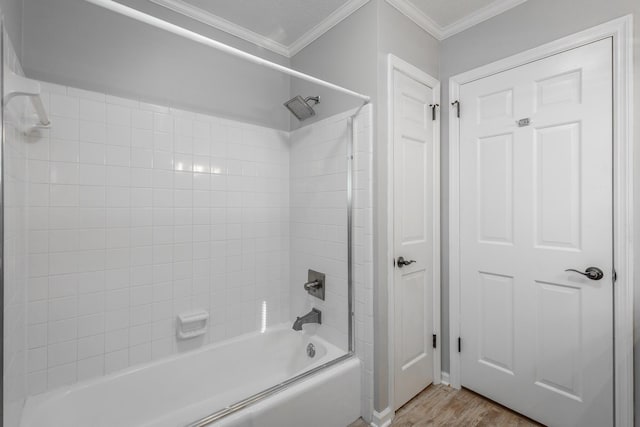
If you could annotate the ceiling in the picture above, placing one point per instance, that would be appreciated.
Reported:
(287, 26)
(283, 21)
(446, 12)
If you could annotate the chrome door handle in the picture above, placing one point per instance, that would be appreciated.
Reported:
(593, 273)
(402, 262)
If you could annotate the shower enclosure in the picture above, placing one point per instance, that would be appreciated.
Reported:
(158, 252)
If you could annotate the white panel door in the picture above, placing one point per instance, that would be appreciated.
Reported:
(535, 200)
(413, 236)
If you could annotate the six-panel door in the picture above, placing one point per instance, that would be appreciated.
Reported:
(535, 200)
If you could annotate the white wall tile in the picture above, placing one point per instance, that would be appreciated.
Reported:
(142, 158)
(66, 129)
(91, 304)
(92, 132)
(38, 288)
(64, 106)
(139, 212)
(61, 353)
(116, 340)
(115, 320)
(118, 115)
(116, 361)
(37, 312)
(91, 325)
(37, 335)
(162, 122)
(63, 173)
(62, 308)
(117, 155)
(62, 330)
(91, 346)
(119, 135)
(64, 285)
(90, 368)
(141, 119)
(37, 359)
(92, 110)
(142, 138)
(60, 376)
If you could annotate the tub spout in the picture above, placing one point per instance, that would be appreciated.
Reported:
(314, 316)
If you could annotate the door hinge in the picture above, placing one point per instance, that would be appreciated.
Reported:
(433, 111)
(456, 104)
(615, 276)
(459, 345)
(434, 342)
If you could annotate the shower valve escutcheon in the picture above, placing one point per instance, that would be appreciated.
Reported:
(315, 284)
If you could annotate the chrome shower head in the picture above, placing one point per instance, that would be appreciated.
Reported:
(300, 107)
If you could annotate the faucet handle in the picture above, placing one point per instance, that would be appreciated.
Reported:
(312, 285)
(315, 284)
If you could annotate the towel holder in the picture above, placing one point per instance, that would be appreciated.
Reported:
(16, 85)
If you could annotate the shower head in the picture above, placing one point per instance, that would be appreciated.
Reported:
(300, 107)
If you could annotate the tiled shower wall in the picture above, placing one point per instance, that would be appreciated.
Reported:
(15, 250)
(139, 212)
(319, 231)
(319, 222)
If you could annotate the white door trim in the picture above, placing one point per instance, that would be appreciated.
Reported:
(396, 64)
(621, 31)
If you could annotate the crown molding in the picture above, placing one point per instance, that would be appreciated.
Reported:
(411, 11)
(328, 23)
(208, 18)
(188, 10)
(480, 15)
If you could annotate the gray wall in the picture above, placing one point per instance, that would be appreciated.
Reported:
(354, 54)
(74, 43)
(12, 12)
(529, 25)
(345, 55)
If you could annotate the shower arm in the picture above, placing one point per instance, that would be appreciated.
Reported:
(198, 38)
(315, 99)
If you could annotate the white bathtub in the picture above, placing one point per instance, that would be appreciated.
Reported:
(184, 388)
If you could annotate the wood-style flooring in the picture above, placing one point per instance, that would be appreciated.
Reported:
(440, 405)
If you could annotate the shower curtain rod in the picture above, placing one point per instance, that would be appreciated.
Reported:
(183, 32)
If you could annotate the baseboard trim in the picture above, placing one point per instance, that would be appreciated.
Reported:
(444, 378)
(382, 419)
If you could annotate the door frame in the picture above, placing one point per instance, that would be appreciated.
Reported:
(621, 32)
(396, 64)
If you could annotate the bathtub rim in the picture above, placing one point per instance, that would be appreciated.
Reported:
(264, 394)
(33, 401)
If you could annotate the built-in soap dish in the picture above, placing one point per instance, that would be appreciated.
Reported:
(192, 324)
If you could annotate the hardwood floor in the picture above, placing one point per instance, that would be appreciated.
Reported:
(440, 405)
